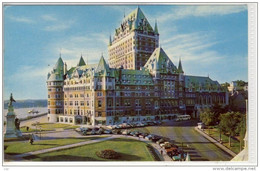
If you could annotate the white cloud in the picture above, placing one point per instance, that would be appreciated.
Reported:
(21, 19)
(48, 17)
(178, 13)
(192, 47)
(91, 46)
(59, 26)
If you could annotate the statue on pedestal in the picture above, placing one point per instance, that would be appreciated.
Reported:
(12, 123)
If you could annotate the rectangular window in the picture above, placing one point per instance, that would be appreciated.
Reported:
(99, 103)
(82, 103)
(99, 114)
(109, 102)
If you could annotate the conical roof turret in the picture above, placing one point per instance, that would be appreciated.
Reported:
(102, 65)
(81, 61)
(180, 70)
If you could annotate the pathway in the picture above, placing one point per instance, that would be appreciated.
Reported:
(157, 148)
(61, 147)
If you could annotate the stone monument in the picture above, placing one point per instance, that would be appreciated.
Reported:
(12, 123)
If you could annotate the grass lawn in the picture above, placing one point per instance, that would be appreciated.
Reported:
(129, 150)
(235, 144)
(14, 148)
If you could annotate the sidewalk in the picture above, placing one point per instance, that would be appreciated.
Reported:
(216, 142)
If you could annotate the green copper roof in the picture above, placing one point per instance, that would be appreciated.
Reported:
(59, 64)
(81, 62)
(134, 77)
(102, 68)
(180, 70)
(202, 83)
(136, 20)
(57, 72)
(159, 61)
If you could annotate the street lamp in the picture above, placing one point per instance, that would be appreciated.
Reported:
(40, 132)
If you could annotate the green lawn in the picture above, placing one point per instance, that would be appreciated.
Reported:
(130, 150)
(235, 144)
(14, 148)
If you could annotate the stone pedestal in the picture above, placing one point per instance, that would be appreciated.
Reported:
(11, 131)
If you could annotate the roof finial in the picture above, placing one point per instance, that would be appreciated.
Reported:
(60, 52)
(124, 12)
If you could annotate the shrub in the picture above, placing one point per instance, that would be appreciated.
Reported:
(108, 154)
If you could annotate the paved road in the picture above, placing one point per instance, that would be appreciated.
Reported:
(199, 148)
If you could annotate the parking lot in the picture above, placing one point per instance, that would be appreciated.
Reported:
(183, 134)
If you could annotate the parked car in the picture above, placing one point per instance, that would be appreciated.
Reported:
(132, 133)
(108, 131)
(116, 131)
(149, 137)
(155, 138)
(136, 134)
(160, 141)
(143, 135)
(150, 123)
(78, 129)
(201, 125)
(145, 124)
(125, 132)
(84, 132)
(93, 132)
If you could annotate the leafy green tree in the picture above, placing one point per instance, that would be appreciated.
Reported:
(225, 85)
(207, 117)
(240, 83)
(229, 122)
(241, 130)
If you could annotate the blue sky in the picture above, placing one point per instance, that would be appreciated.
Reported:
(210, 40)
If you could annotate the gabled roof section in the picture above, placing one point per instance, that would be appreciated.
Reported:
(81, 62)
(159, 61)
(199, 83)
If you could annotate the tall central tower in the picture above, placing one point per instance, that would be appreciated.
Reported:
(133, 43)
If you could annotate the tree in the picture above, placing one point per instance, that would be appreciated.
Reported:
(240, 83)
(225, 85)
(207, 117)
(229, 122)
(241, 130)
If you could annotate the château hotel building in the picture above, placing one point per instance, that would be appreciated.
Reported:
(139, 83)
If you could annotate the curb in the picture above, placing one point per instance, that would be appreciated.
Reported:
(216, 143)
